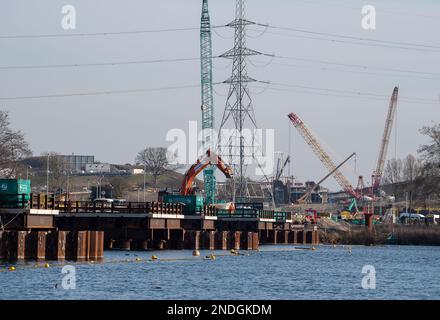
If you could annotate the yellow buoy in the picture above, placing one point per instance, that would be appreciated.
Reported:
(233, 251)
(196, 253)
(11, 268)
(210, 257)
(153, 257)
(46, 265)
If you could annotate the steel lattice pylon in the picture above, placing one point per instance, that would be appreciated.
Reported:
(207, 99)
(238, 107)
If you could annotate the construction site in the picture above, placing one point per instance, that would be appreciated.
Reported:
(232, 209)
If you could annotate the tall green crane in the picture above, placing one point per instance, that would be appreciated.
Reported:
(207, 99)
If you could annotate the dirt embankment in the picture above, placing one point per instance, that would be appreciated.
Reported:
(381, 234)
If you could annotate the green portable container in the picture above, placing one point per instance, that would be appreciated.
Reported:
(12, 190)
(193, 203)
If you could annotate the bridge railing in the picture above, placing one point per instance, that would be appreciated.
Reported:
(255, 214)
(49, 202)
(14, 201)
(129, 207)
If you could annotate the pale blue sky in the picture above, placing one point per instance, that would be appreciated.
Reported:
(115, 127)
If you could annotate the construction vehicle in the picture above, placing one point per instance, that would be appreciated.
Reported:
(306, 195)
(209, 158)
(323, 156)
(377, 174)
(193, 202)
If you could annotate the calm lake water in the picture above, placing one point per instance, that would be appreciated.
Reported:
(275, 272)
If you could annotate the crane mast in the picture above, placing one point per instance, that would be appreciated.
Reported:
(322, 155)
(207, 100)
(377, 174)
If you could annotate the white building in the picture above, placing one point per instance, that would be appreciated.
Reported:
(98, 168)
(137, 171)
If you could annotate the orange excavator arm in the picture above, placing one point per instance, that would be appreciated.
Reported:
(209, 158)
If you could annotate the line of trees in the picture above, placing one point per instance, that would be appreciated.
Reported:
(414, 177)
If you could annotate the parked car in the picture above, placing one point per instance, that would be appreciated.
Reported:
(411, 217)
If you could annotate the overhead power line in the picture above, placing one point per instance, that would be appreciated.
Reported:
(358, 93)
(420, 15)
(359, 66)
(335, 35)
(96, 34)
(327, 94)
(96, 93)
(360, 72)
(97, 64)
(353, 40)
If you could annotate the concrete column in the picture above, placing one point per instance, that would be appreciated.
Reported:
(41, 245)
(61, 247)
(192, 239)
(125, 244)
(222, 240)
(369, 221)
(143, 245)
(208, 240)
(255, 241)
(82, 245)
(309, 236)
(246, 240)
(273, 236)
(285, 237)
(236, 240)
(96, 249)
(300, 235)
(21, 244)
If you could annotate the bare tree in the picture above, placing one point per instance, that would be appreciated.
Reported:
(393, 171)
(58, 170)
(412, 168)
(431, 161)
(431, 152)
(156, 162)
(13, 147)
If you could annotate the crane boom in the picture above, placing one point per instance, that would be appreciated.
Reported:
(209, 159)
(306, 195)
(281, 170)
(322, 155)
(207, 99)
(377, 174)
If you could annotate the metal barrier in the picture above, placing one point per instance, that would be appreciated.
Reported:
(14, 201)
(255, 214)
(43, 201)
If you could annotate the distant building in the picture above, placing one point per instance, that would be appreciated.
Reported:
(77, 163)
(137, 171)
(98, 168)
